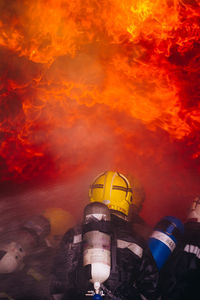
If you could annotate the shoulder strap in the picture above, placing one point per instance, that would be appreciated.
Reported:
(133, 247)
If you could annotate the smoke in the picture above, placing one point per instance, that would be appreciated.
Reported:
(95, 86)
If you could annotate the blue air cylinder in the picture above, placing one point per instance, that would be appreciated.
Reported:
(164, 238)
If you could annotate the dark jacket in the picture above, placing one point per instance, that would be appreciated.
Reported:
(32, 282)
(133, 271)
(180, 277)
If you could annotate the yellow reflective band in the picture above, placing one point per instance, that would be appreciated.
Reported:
(5, 295)
(37, 276)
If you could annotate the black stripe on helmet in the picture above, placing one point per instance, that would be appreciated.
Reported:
(127, 183)
(121, 188)
(97, 186)
(124, 178)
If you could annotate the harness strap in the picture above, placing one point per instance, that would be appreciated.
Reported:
(136, 249)
(77, 238)
(114, 268)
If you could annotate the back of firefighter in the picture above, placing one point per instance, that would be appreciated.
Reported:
(180, 277)
(25, 261)
(133, 272)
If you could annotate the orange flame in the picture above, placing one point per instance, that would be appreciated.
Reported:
(74, 71)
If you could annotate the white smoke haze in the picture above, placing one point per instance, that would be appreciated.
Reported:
(79, 97)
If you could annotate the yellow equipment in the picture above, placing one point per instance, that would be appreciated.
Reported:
(112, 189)
(60, 220)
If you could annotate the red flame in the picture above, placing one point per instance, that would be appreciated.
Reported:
(94, 85)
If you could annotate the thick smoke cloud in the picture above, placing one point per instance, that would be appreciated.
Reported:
(92, 86)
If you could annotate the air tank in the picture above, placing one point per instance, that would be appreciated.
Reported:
(97, 244)
(164, 238)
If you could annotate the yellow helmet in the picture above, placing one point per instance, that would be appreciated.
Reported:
(112, 189)
(60, 220)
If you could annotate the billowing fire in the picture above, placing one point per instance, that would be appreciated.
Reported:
(94, 85)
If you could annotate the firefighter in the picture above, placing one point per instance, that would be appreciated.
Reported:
(25, 261)
(131, 270)
(179, 278)
(60, 220)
